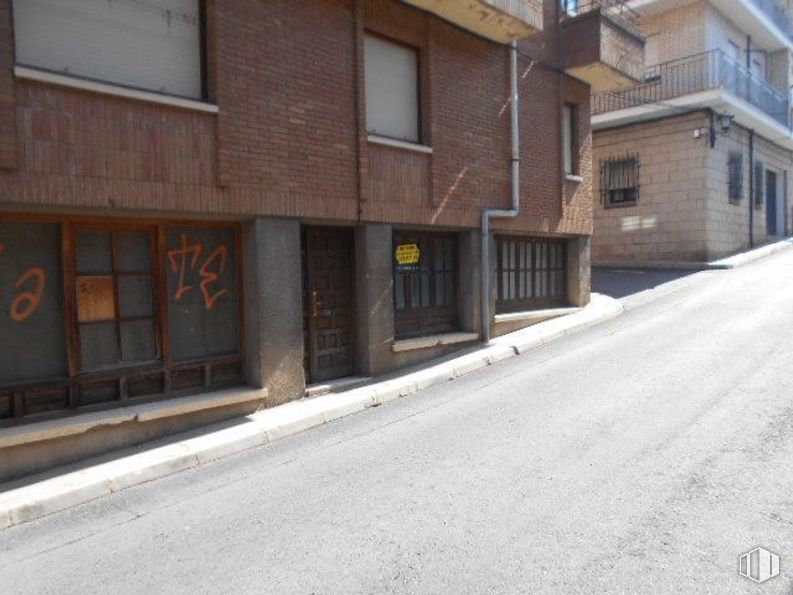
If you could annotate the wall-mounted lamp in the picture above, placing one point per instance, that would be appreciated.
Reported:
(722, 121)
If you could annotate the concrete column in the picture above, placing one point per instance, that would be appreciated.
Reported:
(470, 274)
(273, 308)
(579, 270)
(374, 299)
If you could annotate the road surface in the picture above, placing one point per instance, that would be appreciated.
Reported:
(641, 456)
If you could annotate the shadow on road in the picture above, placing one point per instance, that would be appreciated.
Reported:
(620, 283)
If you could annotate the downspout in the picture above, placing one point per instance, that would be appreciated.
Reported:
(751, 188)
(513, 211)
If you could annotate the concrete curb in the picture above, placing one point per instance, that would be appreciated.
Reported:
(51, 495)
(727, 263)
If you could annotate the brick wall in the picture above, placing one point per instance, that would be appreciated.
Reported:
(289, 138)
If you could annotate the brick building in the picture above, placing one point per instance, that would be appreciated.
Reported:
(693, 163)
(270, 194)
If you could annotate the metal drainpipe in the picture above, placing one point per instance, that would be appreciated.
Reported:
(515, 209)
(751, 188)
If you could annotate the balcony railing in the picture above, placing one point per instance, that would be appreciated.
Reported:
(616, 10)
(694, 74)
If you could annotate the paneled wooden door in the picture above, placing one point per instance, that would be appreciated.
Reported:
(328, 302)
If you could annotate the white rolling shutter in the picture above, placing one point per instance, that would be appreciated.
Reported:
(146, 44)
(392, 102)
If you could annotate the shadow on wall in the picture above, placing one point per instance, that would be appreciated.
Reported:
(620, 283)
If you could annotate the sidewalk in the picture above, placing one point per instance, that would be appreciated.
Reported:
(47, 494)
(729, 262)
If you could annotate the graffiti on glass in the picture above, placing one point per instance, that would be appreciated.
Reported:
(185, 259)
(31, 285)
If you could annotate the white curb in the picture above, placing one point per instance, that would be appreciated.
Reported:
(58, 493)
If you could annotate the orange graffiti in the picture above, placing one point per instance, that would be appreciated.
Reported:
(208, 276)
(214, 266)
(20, 313)
(183, 253)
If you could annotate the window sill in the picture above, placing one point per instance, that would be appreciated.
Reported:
(81, 423)
(574, 178)
(398, 144)
(534, 315)
(64, 80)
(432, 341)
(621, 205)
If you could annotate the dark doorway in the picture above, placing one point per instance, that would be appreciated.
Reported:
(770, 204)
(328, 302)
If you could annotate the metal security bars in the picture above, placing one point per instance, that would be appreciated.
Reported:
(619, 181)
(530, 273)
(735, 176)
(694, 74)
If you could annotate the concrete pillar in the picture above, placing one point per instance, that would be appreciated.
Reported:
(470, 274)
(374, 299)
(579, 270)
(273, 308)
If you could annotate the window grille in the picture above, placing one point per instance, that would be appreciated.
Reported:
(619, 181)
(530, 273)
(735, 171)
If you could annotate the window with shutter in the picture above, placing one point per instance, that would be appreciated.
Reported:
(392, 97)
(142, 44)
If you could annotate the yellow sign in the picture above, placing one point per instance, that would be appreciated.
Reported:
(407, 254)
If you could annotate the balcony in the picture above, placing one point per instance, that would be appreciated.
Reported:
(499, 20)
(694, 77)
(603, 45)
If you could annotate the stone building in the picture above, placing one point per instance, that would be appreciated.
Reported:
(693, 163)
(259, 196)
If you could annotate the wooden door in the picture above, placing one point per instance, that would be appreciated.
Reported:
(328, 304)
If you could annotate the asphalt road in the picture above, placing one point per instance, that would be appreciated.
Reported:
(641, 456)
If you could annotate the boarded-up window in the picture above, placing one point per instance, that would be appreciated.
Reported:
(153, 45)
(425, 283)
(115, 297)
(32, 336)
(530, 273)
(203, 302)
(392, 98)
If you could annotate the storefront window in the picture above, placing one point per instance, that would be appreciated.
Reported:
(103, 313)
(425, 283)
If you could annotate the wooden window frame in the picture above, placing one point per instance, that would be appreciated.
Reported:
(207, 369)
(505, 304)
(409, 321)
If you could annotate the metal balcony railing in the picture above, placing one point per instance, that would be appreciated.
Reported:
(616, 10)
(694, 74)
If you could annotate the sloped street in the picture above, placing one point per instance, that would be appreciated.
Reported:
(641, 456)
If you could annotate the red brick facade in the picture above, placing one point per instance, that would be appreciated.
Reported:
(289, 138)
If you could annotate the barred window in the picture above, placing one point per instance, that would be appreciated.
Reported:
(619, 181)
(530, 273)
(735, 172)
(425, 283)
(759, 183)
